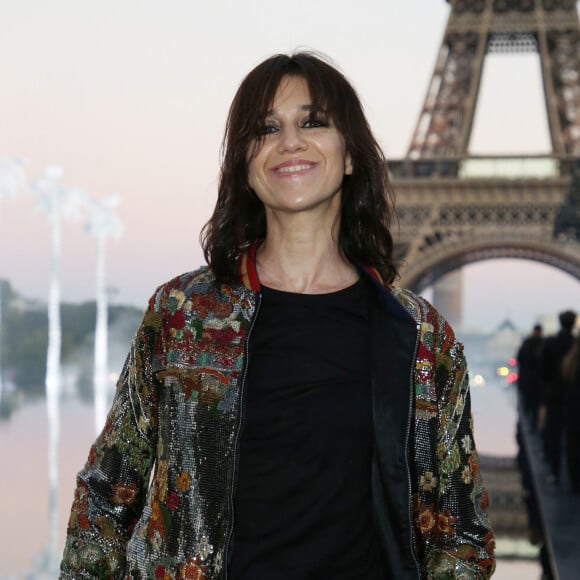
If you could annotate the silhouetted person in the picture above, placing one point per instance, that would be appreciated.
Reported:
(571, 376)
(555, 349)
(530, 376)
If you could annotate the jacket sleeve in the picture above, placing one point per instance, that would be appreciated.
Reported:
(459, 539)
(111, 488)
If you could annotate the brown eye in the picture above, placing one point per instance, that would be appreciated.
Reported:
(267, 129)
(316, 120)
(314, 123)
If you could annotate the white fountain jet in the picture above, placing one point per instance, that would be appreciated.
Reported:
(102, 222)
(56, 202)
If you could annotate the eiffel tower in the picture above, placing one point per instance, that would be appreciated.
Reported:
(455, 208)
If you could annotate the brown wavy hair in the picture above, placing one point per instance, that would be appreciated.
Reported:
(367, 200)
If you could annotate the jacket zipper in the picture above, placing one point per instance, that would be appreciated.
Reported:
(238, 436)
(409, 420)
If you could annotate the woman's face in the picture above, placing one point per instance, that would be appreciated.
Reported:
(301, 161)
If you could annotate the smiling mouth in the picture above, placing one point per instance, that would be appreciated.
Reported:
(298, 168)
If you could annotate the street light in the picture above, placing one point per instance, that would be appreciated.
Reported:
(102, 222)
(55, 202)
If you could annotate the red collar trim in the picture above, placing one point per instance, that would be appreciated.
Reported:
(374, 273)
(247, 268)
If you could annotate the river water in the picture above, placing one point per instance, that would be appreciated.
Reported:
(24, 482)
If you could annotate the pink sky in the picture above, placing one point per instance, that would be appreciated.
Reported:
(130, 98)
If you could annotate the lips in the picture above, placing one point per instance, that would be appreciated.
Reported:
(293, 167)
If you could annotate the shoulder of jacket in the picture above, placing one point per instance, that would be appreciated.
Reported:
(196, 284)
(185, 284)
(427, 317)
(420, 309)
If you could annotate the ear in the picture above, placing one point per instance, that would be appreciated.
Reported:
(347, 164)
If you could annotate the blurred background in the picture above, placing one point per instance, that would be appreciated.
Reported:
(113, 112)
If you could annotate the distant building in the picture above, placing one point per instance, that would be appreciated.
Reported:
(505, 342)
(486, 352)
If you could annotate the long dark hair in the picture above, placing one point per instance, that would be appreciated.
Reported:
(367, 206)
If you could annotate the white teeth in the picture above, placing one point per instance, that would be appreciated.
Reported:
(293, 168)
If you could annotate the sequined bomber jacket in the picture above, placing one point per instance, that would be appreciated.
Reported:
(155, 498)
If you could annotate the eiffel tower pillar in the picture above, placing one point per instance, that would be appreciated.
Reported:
(476, 28)
(448, 297)
(440, 142)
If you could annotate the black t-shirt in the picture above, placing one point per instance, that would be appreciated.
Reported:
(303, 505)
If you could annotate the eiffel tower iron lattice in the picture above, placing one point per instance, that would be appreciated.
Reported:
(455, 208)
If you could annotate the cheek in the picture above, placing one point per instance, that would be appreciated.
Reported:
(255, 161)
(347, 164)
(252, 175)
(338, 151)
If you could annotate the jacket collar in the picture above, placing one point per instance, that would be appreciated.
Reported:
(248, 273)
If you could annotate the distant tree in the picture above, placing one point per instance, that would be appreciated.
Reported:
(24, 340)
(12, 182)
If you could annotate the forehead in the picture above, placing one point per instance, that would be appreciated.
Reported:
(292, 92)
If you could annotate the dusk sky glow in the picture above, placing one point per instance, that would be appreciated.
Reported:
(130, 98)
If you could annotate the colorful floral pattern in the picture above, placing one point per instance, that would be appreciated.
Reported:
(450, 502)
(176, 410)
(428, 481)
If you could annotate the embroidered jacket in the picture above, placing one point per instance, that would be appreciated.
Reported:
(155, 498)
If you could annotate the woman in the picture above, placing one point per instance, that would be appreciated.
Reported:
(302, 417)
(571, 377)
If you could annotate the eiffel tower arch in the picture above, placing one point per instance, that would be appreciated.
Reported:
(455, 208)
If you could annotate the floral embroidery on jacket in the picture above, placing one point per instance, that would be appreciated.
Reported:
(176, 412)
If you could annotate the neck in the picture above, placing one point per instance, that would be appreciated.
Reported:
(302, 259)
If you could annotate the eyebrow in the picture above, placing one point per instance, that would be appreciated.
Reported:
(301, 108)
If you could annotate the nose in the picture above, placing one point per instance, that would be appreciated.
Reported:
(291, 139)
